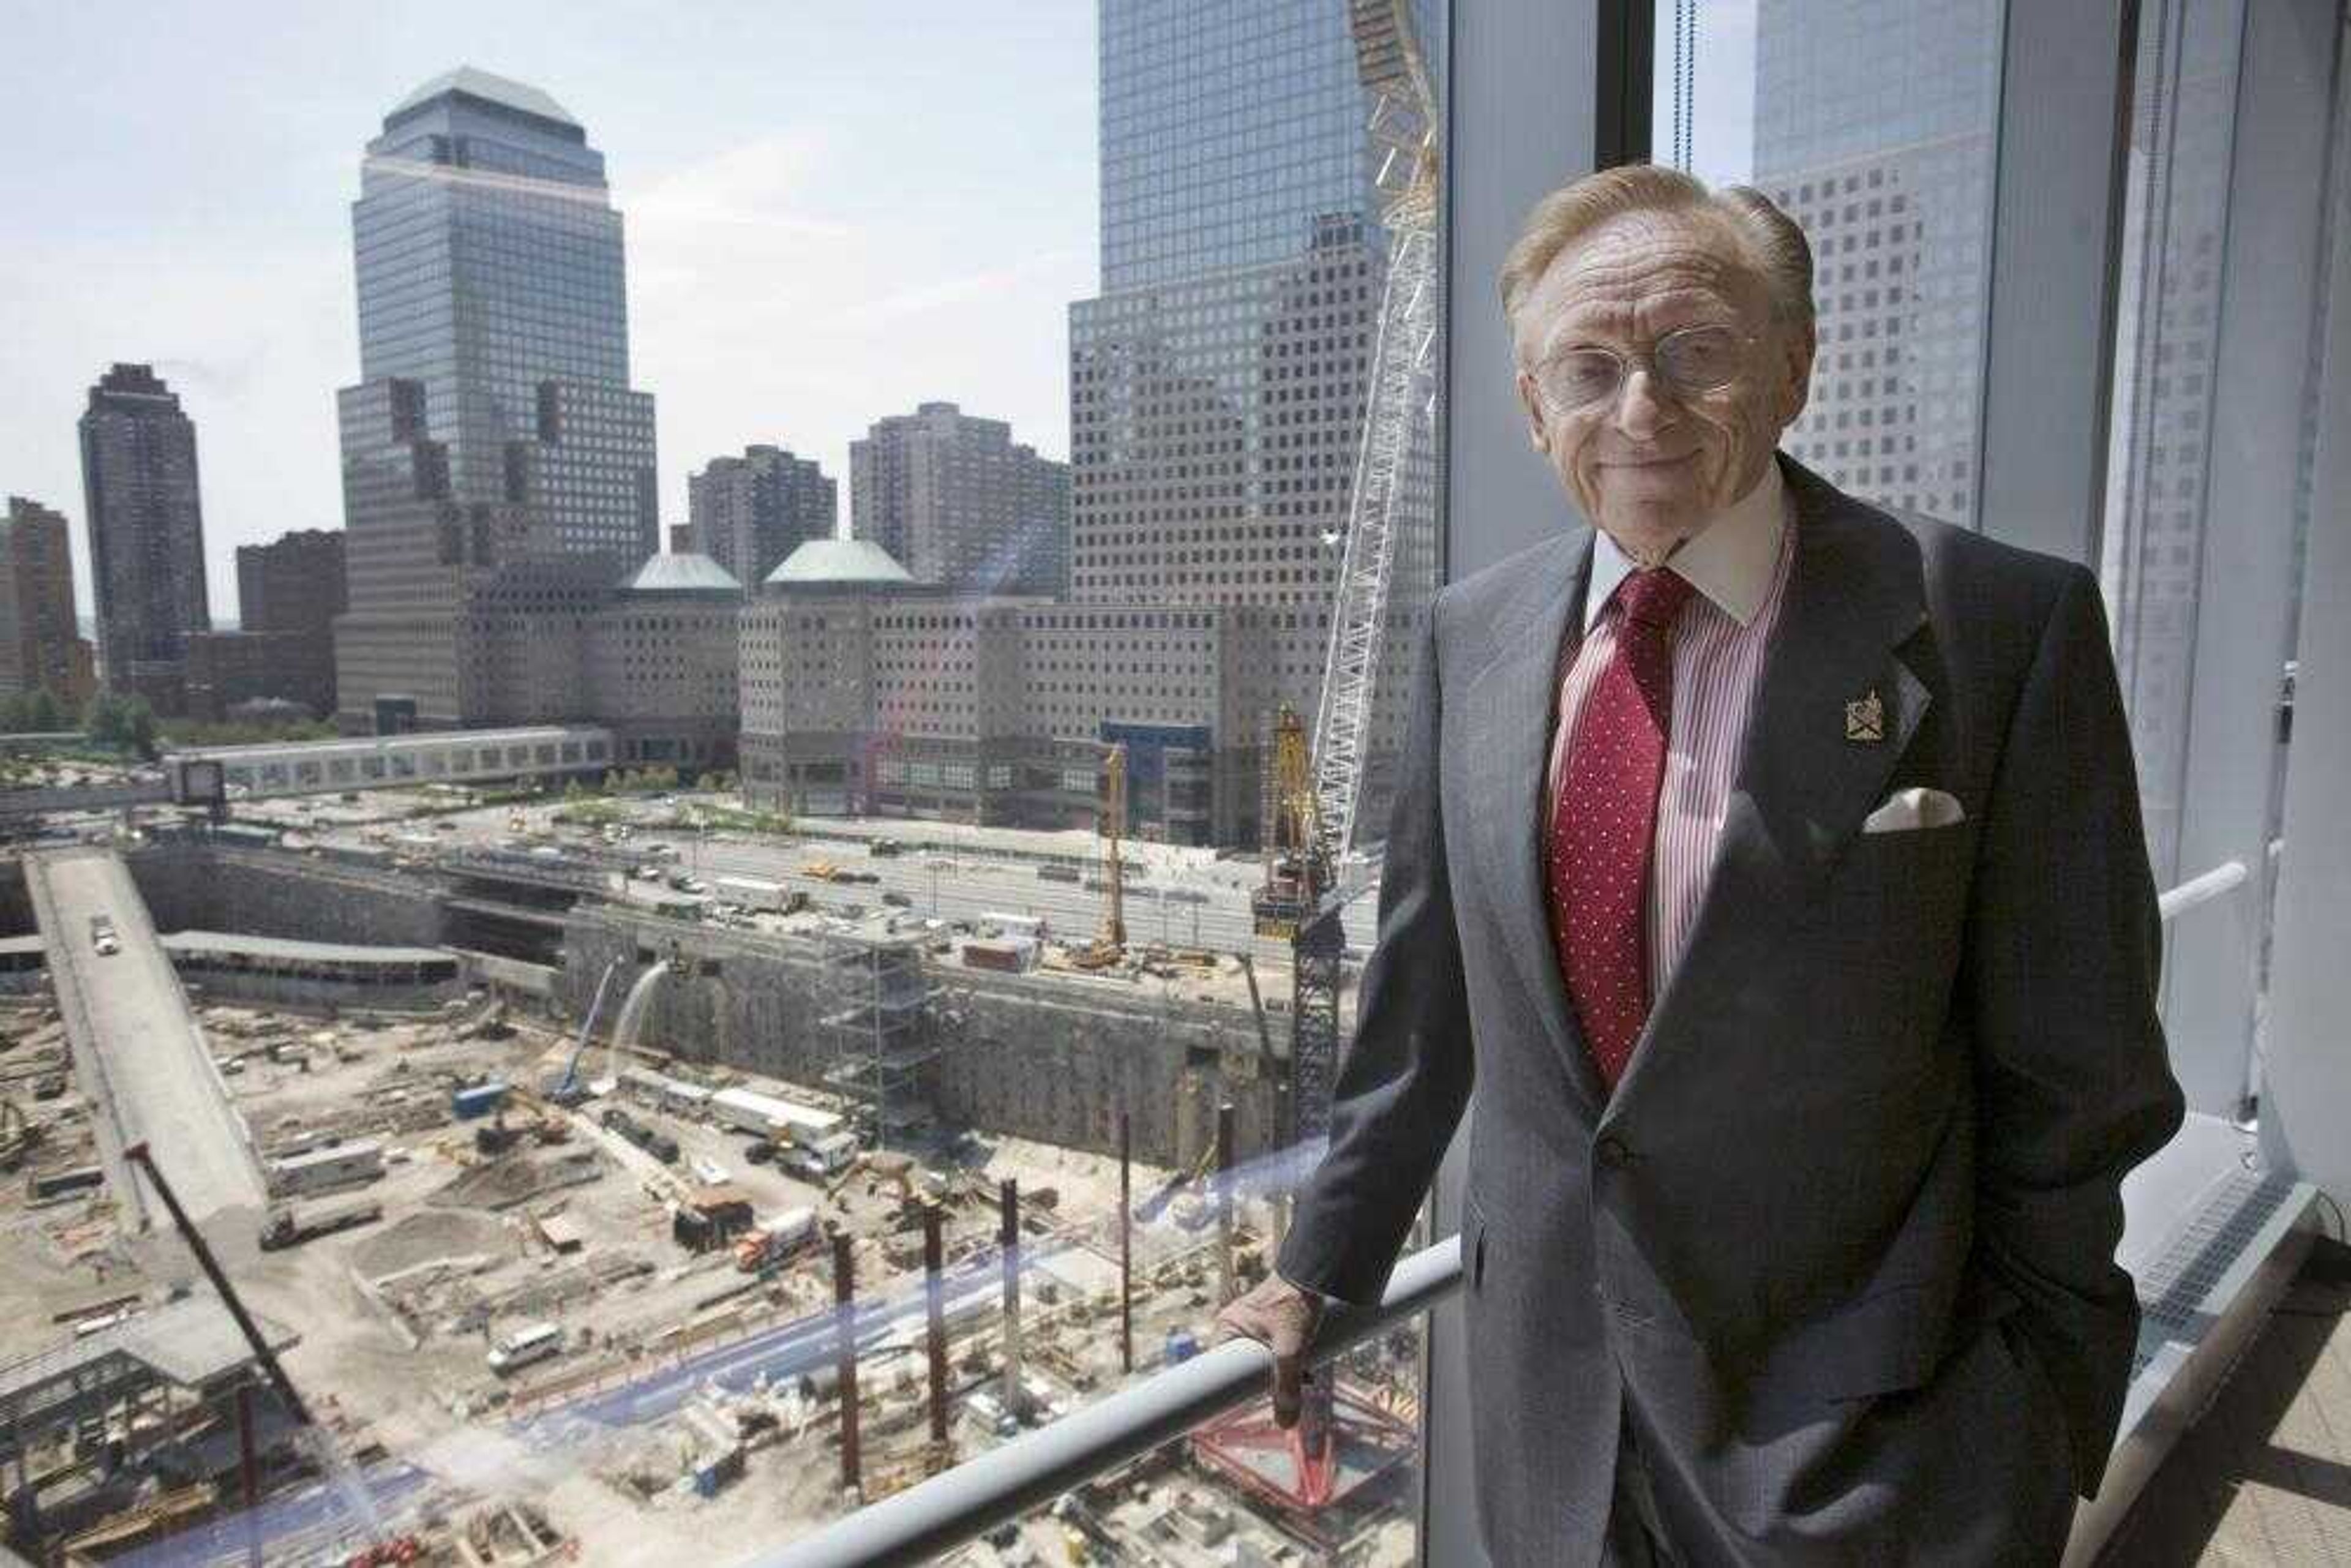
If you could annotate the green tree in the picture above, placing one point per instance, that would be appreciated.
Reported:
(125, 723)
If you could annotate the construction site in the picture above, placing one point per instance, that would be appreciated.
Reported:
(422, 1178)
(511, 1281)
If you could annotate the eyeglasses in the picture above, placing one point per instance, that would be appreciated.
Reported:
(1693, 360)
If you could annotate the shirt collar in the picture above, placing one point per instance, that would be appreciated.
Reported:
(1730, 560)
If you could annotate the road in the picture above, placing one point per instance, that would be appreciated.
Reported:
(137, 1052)
(1210, 906)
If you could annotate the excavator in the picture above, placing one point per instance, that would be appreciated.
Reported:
(898, 1170)
(1152, 1207)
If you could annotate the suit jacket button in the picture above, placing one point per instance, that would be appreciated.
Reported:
(1612, 1153)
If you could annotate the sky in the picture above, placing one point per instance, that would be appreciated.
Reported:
(835, 209)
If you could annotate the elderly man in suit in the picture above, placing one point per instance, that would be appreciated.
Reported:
(1767, 870)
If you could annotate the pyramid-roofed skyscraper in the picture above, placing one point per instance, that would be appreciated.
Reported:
(496, 460)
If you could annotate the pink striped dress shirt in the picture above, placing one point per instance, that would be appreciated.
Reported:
(1740, 565)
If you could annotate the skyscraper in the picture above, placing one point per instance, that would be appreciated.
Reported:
(496, 460)
(146, 532)
(1880, 143)
(294, 583)
(1217, 387)
(749, 512)
(288, 595)
(41, 645)
(955, 501)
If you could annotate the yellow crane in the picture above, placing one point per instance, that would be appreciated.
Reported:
(1110, 945)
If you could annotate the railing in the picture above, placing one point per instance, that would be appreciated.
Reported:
(933, 1516)
(2226, 877)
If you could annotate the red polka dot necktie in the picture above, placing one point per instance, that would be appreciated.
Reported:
(1604, 820)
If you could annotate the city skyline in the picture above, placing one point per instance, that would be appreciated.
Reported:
(942, 276)
(794, 275)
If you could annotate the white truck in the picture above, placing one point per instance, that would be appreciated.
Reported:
(521, 1346)
(1029, 925)
(751, 893)
(746, 1111)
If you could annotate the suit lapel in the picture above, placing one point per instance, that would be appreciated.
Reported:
(1511, 704)
(1803, 786)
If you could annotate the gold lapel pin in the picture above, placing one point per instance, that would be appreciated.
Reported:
(1865, 718)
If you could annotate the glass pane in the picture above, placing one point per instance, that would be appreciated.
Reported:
(1870, 122)
(2167, 350)
(2203, 585)
(871, 538)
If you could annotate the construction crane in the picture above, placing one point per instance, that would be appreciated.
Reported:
(1313, 794)
(568, 1089)
(1403, 131)
(1110, 945)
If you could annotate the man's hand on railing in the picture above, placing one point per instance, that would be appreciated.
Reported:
(1282, 1317)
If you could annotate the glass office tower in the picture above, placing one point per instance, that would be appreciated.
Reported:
(495, 458)
(1216, 386)
(1874, 128)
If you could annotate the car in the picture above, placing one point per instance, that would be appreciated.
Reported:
(759, 1151)
(897, 900)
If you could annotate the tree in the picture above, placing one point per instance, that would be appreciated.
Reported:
(126, 723)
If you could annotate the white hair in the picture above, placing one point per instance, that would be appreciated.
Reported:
(1768, 238)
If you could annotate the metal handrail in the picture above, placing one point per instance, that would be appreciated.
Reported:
(2226, 877)
(933, 1516)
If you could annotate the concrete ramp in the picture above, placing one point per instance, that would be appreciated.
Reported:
(137, 1052)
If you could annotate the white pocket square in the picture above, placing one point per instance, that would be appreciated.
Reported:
(1915, 808)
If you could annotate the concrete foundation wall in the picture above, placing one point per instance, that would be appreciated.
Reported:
(1047, 1058)
(260, 893)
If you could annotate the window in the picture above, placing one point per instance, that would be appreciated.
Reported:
(1901, 119)
(1124, 536)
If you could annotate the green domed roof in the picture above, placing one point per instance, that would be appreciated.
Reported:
(841, 563)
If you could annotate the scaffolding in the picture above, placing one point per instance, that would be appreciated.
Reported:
(877, 1007)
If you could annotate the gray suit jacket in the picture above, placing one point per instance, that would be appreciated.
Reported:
(1842, 1241)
